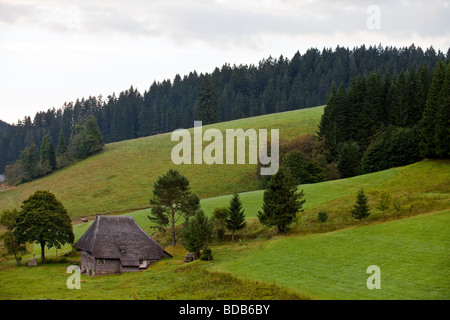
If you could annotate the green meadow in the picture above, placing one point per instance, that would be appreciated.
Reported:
(412, 253)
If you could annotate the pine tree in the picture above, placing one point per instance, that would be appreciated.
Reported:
(236, 215)
(361, 208)
(282, 202)
(327, 126)
(197, 233)
(61, 147)
(48, 156)
(94, 138)
(355, 103)
(28, 160)
(399, 106)
(431, 112)
(413, 112)
(208, 108)
(442, 129)
(172, 200)
(349, 160)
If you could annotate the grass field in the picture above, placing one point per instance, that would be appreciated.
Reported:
(122, 176)
(412, 253)
(169, 279)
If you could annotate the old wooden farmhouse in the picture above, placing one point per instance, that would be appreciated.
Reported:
(117, 244)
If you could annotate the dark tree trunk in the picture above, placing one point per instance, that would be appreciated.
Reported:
(42, 251)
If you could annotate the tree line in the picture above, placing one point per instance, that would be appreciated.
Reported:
(274, 85)
(85, 140)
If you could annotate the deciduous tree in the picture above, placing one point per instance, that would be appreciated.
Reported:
(43, 219)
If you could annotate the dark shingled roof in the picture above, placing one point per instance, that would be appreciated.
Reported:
(120, 237)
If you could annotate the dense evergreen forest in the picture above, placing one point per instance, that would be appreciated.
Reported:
(379, 122)
(274, 85)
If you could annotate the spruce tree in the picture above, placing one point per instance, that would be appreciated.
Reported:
(431, 112)
(48, 156)
(399, 106)
(28, 161)
(349, 160)
(413, 112)
(61, 147)
(327, 126)
(208, 108)
(236, 215)
(197, 233)
(442, 128)
(361, 208)
(282, 202)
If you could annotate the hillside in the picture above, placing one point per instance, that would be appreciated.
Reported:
(121, 177)
(412, 252)
(412, 255)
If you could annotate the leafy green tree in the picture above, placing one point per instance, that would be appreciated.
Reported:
(361, 208)
(236, 216)
(172, 200)
(43, 219)
(197, 233)
(281, 201)
(207, 101)
(8, 220)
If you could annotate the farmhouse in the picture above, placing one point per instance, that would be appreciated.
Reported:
(117, 244)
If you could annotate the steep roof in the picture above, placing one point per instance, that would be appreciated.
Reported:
(119, 237)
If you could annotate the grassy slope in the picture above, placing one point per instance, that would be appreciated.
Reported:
(413, 256)
(421, 187)
(122, 176)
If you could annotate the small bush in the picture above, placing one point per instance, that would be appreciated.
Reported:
(322, 216)
(207, 255)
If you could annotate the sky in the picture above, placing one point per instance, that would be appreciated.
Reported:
(55, 51)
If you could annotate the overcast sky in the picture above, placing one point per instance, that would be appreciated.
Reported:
(55, 51)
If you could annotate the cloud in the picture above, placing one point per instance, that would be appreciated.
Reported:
(10, 14)
(222, 22)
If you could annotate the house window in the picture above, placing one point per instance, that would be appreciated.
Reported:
(100, 261)
(122, 249)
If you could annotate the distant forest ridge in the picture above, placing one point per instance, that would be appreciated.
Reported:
(274, 85)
